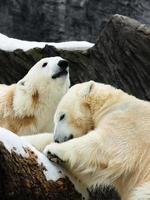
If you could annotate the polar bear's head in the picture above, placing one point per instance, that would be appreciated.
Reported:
(45, 84)
(73, 115)
(49, 72)
(79, 110)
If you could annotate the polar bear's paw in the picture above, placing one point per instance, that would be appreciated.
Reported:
(54, 153)
(54, 158)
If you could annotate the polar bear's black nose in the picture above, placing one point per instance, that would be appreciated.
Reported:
(70, 137)
(63, 139)
(63, 64)
(57, 141)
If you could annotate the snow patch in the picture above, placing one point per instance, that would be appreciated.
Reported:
(11, 44)
(12, 142)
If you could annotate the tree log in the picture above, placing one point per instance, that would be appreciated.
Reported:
(24, 173)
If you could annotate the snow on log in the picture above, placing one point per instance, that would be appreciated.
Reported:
(11, 44)
(26, 173)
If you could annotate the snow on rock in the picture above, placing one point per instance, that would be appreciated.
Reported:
(12, 142)
(11, 44)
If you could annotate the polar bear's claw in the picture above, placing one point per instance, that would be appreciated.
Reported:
(54, 158)
(54, 153)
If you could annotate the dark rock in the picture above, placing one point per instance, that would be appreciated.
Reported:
(121, 57)
(14, 65)
(64, 20)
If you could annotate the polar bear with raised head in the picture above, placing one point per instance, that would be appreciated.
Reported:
(110, 139)
(28, 106)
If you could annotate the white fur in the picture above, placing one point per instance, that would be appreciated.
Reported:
(50, 92)
(39, 141)
(31, 103)
(142, 192)
(111, 142)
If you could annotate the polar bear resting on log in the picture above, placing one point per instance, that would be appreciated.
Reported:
(110, 139)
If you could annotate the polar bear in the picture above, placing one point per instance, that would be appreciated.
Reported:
(28, 106)
(110, 139)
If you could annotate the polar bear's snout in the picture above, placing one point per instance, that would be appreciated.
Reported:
(63, 64)
(62, 133)
(62, 69)
(59, 139)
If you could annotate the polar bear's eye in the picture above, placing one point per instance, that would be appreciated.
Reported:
(22, 83)
(62, 117)
(44, 64)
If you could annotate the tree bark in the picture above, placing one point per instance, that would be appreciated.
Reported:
(22, 177)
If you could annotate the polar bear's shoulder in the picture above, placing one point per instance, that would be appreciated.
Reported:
(6, 98)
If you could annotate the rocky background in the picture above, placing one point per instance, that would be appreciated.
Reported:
(65, 20)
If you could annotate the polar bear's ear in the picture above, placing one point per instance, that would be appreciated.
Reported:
(21, 85)
(87, 89)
